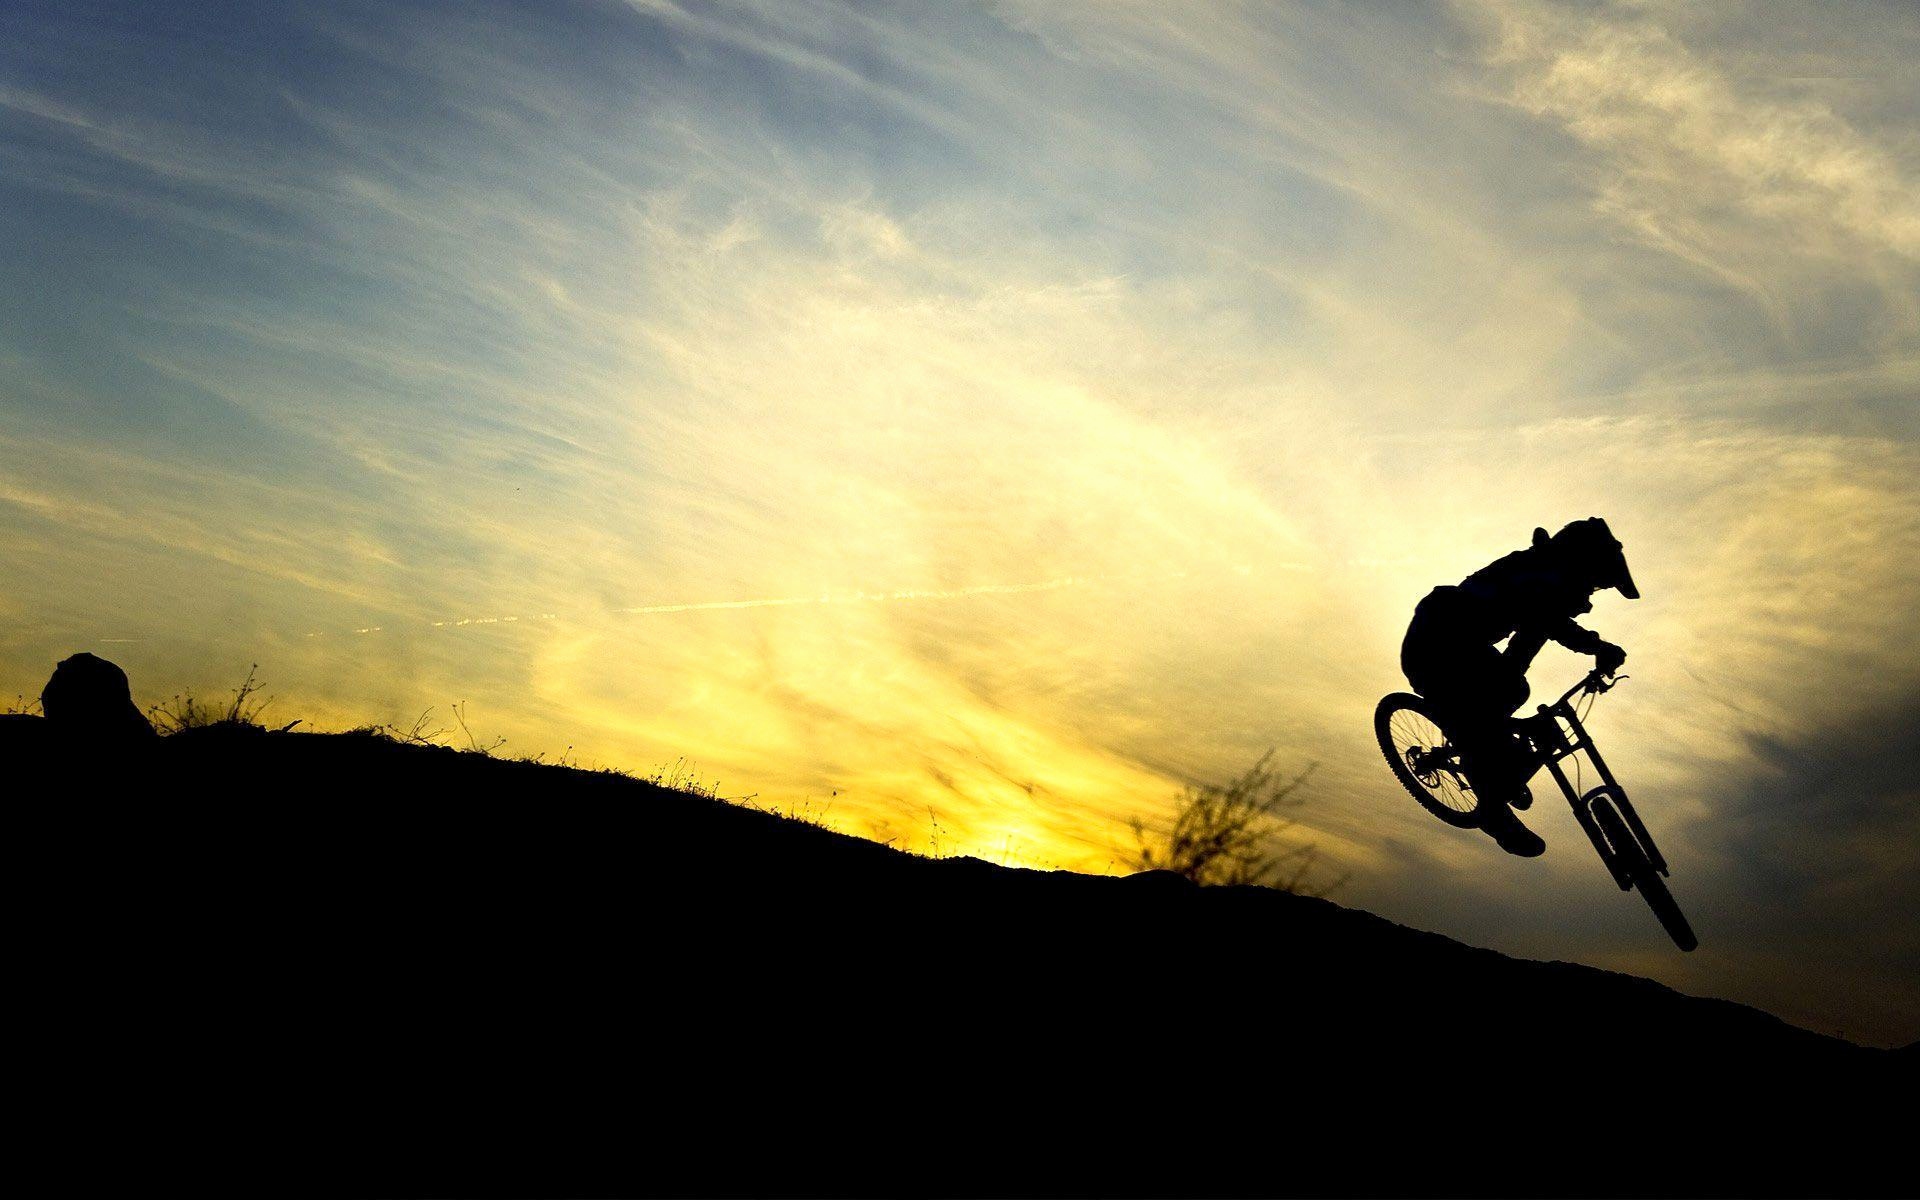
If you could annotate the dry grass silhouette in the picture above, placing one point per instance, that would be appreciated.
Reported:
(682, 776)
(807, 811)
(1235, 834)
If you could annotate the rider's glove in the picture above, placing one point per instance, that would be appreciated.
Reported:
(1608, 658)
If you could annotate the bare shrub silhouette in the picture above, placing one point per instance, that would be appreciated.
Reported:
(1234, 834)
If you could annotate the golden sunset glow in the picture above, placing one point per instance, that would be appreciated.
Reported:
(977, 423)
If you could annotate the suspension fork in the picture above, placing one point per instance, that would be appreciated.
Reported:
(1619, 795)
(1553, 743)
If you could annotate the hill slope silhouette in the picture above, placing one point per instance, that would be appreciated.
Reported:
(332, 961)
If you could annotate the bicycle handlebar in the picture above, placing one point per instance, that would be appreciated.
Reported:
(1596, 681)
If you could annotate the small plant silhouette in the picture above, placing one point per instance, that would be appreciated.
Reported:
(1232, 834)
(423, 732)
(185, 711)
(474, 744)
(538, 758)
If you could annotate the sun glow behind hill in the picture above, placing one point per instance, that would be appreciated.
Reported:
(979, 424)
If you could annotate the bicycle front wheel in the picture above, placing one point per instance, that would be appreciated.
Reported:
(1423, 759)
(1646, 880)
(1653, 890)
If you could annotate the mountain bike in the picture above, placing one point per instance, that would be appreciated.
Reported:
(1413, 737)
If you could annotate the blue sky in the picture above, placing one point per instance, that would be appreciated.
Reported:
(1005, 415)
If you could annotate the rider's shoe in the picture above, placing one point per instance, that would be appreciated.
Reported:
(1521, 841)
(1513, 837)
(1522, 799)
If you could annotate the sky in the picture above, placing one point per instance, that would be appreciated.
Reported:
(973, 424)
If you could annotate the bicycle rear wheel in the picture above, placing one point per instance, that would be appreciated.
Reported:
(1423, 759)
(1646, 880)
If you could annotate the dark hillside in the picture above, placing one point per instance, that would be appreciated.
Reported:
(340, 963)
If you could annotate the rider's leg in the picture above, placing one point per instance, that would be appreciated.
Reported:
(1476, 691)
(1496, 760)
(1496, 692)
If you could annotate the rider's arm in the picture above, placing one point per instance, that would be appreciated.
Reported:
(1577, 637)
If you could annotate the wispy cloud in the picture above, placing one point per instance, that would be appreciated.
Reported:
(1751, 180)
(1684, 138)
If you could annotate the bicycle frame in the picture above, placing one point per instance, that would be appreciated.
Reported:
(1555, 732)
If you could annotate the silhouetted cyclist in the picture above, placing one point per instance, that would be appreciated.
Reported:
(1529, 597)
